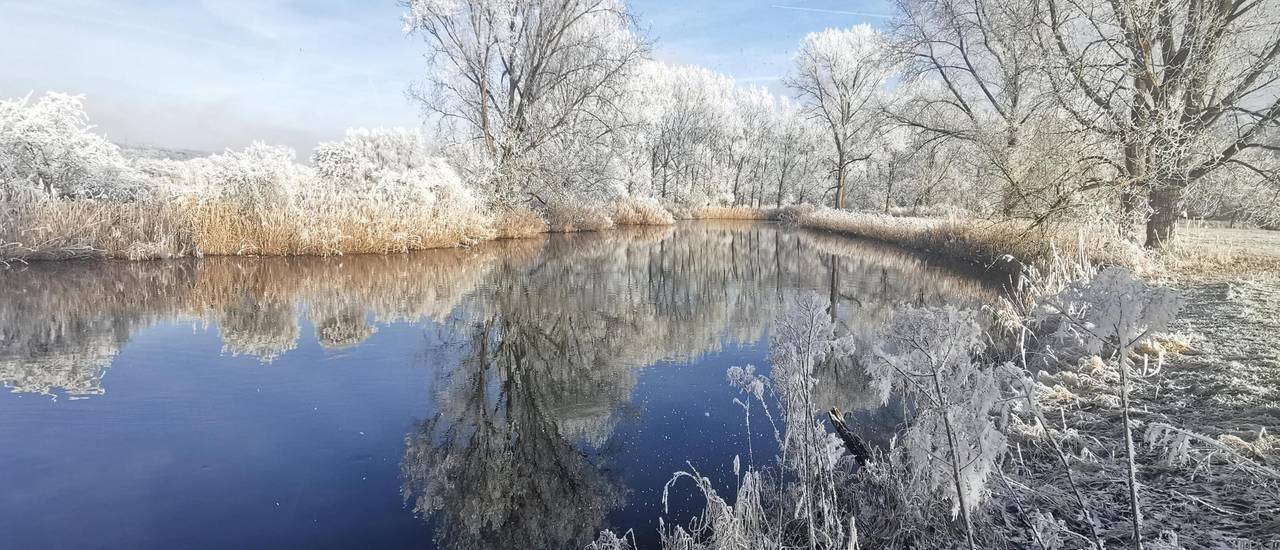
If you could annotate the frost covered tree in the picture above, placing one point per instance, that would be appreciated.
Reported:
(528, 86)
(747, 138)
(1180, 88)
(48, 145)
(839, 77)
(683, 112)
(797, 141)
(975, 82)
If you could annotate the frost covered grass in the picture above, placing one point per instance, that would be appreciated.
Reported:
(1041, 437)
(45, 229)
(639, 211)
(1007, 245)
(566, 217)
(168, 228)
(1221, 253)
(519, 222)
(164, 227)
(730, 213)
(326, 227)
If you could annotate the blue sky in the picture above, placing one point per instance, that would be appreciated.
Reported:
(211, 74)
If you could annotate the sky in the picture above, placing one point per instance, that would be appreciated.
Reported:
(208, 75)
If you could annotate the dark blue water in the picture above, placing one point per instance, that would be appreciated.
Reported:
(518, 394)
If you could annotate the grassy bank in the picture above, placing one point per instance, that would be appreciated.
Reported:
(1006, 245)
(58, 229)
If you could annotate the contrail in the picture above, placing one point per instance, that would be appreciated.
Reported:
(840, 12)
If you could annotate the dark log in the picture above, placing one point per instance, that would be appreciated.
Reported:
(852, 442)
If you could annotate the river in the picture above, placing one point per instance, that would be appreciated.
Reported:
(523, 393)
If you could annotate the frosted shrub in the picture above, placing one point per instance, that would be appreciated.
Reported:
(176, 178)
(383, 163)
(1108, 314)
(256, 177)
(800, 504)
(927, 356)
(1113, 310)
(804, 337)
(48, 145)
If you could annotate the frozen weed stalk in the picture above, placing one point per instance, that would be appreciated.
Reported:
(1109, 315)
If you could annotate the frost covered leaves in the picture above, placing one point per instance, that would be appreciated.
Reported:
(1112, 310)
(927, 355)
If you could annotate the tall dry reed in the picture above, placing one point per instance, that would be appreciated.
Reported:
(1007, 245)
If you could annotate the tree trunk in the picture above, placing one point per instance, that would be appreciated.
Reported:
(782, 178)
(1166, 203)
(737, 181)
(1135, 509)
(840, 176)
(1136, 164)
(1130, 204)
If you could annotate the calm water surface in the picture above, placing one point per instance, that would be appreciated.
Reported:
(520, 394)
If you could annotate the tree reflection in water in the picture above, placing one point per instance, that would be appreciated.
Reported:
(552, 333)
(496, 468)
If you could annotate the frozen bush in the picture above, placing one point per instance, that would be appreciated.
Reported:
(1109, 314)
(800, 504)
(387, 163)
(928, 356)
(1110, 311)
(48, 145)
(258, 176)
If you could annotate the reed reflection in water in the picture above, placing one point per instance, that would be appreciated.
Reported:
(539, 349)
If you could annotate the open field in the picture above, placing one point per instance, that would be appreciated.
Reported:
(1220, 253)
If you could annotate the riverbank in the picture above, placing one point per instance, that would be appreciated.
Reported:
(1203, 394)
(1203, 403)
(1006, 246)
(44, 229)
(60, 229)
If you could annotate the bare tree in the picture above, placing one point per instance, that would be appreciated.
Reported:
(520, 75)
(839, 77)
(1183, 88)
(975, 82)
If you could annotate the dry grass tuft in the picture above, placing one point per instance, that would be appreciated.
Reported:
(168, 228)
(1219, 253)
(520, 222)
(326, 228)
(572, 218)
(641, 211)
(730, 213)
(945, 211)
(70, 229)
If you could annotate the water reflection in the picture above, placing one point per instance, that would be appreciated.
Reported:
(497, 466)
(547, 336)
